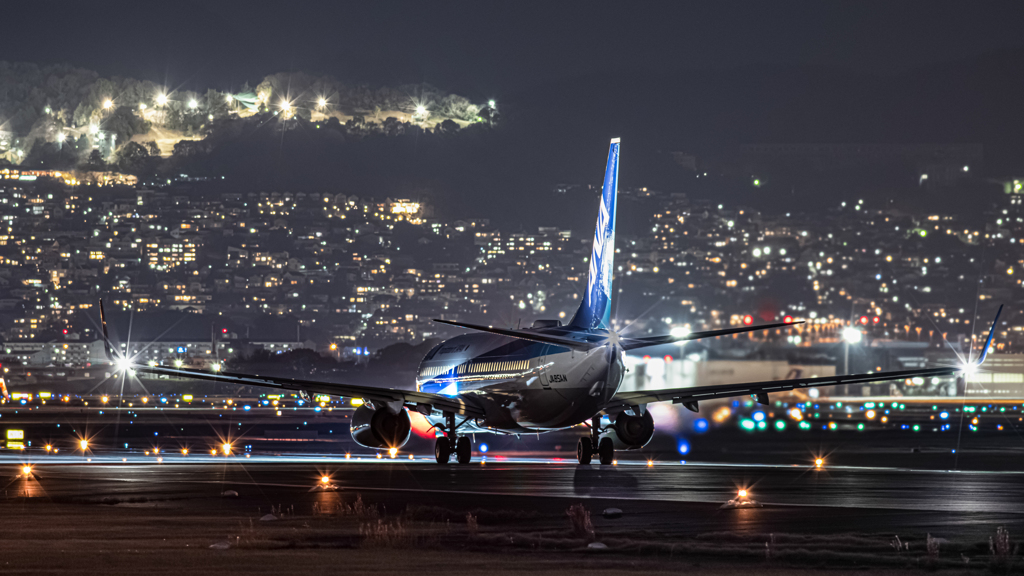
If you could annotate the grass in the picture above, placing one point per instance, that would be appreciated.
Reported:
(350, 533)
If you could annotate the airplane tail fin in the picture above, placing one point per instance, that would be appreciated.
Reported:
(595, 310)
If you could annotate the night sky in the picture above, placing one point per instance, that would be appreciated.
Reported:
(487, 48)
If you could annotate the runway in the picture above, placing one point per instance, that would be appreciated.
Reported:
(683, 498)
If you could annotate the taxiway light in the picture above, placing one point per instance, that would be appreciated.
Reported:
(742, 493)
(393, 452)
(325, 479)
(226, 447)
(84, 444)
(26, 470)
(184, 451)
(818, 462)
(49, 448)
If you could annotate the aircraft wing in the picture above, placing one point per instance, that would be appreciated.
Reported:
(633, 343)
(695, 394)
(584, 341)
(372, 393)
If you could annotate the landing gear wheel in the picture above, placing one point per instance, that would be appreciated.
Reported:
(442, 450)
(584, 450)
(606, 450)
(464, 450)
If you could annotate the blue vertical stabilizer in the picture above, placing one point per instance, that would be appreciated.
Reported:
(595, 310)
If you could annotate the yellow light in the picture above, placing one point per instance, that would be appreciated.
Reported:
(84, 444)
(226, 447)
(145, 399)
(650, 462)
(105, 399)
(379, 456)
(325, 479)
(357, 401)
(156, 450)
(213, 452)
(870, 414)
(742, 493)
(818, 462)
(26, 470)
(348, 456)
(184, 451)
(49, 448)
(393, 452)
(334, 346)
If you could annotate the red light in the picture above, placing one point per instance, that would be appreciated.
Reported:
(875, 320)
(668, 359)
(864, 320)
(646, 358)
(788, 319)
(748, 320)
(65, 330)
(223, 330)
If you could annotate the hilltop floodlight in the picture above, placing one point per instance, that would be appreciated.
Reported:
(228, 98)
(286, 105)
(492, 103)
(852, 335)
(193, 104)
(421, 110)
(161, 99)
(321, 102)
(108, 104)
(60, 136)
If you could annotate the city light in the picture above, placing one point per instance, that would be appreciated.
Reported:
(285, 105)
(216, 367)
(742, 493)
(325, 479)
(421, 110)
(161, 99)
(852, 335)
(108, 104)
(322, 102)
(819, 462)
(193, 104)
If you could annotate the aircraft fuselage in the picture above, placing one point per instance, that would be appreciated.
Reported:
(523, 386)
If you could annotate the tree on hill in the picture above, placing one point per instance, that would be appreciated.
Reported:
(94, 162)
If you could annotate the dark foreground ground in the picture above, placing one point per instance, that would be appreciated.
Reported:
(386, 517)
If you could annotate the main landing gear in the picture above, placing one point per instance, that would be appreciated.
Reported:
(451, 443)
(588, 445)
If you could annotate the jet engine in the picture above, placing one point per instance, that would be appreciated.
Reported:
(633, 432)
(380, 428)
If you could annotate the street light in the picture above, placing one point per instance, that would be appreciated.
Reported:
(421, 110)
(322, 103)
(193, 104)
(161, 99)
(108, 104)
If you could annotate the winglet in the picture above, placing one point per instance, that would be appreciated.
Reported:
(106, 337)
(991, 334)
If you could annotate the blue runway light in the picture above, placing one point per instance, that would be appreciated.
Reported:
(700, 425)
(483, 447)
(247, 408)
(758, 416)
(944, 415)
(684, 447)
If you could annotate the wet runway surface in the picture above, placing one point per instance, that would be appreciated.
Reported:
(682, 498)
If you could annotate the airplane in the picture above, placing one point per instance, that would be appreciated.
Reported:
(543, 378)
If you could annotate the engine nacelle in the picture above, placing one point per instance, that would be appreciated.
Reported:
(380, 428)
(633, 432)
